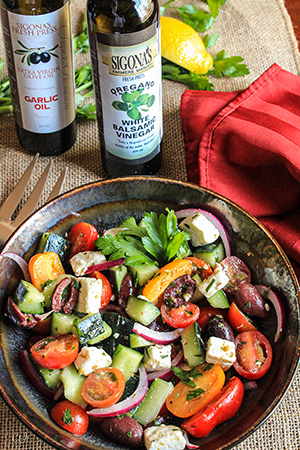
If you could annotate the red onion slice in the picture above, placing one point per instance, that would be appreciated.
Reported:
(156, 337)
(184, 213)
(33, 376)
(278, 306)
(187, 442)
(105, 265)
(129, 403)
(168, 373)
(21, 263)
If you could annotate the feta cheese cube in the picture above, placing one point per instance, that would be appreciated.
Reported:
(214, 283)
(201, 229)
(81, 261)
(90, 293)
(164, 437)
(220, 351)
(91, 358)
(157, 357)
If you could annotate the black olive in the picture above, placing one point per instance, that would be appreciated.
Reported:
(45, 57)
(35, 58)
(218, 327)
(180, 291)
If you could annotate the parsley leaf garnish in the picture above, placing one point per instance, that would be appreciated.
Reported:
(194, 394)
(155, 240)
(186, 375)
(230, 67)
(67, 417)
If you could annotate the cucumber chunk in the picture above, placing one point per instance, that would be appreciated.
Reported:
(127, 360)
(143, 273)
(88, 328)
(29, 299)
(121, 329)
(107, 331)
(211, 255)
(73, 383)
(62, 323)
(219, 300)
(52, 242)
(193, 346)
(116, 276)
(141, 310)
(137, 341)
(149, 408)
(197, 296)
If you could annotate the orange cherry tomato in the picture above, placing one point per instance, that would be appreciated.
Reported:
(56, 352)
(44, 267)
(71, 417)
(106, 288)
(104, 387)
(180, 317)
(155, 288)
(238, 320)
(201, 267)
(184, 400)
(82, 237)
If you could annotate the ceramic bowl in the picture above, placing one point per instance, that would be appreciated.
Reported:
(105, 204)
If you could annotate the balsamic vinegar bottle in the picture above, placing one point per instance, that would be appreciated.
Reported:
(126, 62)
(39, 54)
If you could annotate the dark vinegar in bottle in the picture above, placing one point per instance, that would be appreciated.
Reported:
(126, 61)
(39, 54)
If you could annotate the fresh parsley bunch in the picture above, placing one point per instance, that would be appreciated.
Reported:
(155, 240)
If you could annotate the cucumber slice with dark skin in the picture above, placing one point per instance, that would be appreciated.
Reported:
(121, 329)
(89, 327)
(193, 346)
(29, 299)
(216, 254)
(52, 242)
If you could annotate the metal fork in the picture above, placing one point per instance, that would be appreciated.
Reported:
(7, 225)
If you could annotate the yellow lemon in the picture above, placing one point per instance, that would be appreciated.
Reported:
(181, 44)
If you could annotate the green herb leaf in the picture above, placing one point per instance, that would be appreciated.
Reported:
(174, 72)
(186, 375)
(230, 67)
(197, 19)
(215, 6)
(210, 41)
(67, 417)
(194, 394)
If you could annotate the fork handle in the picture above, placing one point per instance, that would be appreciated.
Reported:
(6, 229)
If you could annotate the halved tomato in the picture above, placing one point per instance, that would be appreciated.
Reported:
(56, 352)
(238, 320)
(82, 237)
(180, 317)
(253, 354)
(71, 417)
(106, 294)
(104, 387)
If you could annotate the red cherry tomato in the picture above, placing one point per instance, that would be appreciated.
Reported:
(106, 288)
(104, 387)
(224, 406)
(71, 417)
(238, 320)
(56, 352)
(82, 237)
(180, 317)
(201, 267)
(253, 354)
(207, 312)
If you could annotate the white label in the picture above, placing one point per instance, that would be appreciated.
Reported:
(130, 86)
(43, 66)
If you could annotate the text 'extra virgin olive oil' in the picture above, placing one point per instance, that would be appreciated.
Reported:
(125, 52)
(39, 54)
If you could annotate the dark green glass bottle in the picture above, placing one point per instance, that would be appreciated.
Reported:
(38, 43)
(126, 62)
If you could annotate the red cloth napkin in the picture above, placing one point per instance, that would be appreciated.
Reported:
(245, 145)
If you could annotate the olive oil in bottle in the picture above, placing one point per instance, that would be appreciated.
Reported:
(39, 54)
(126, 62)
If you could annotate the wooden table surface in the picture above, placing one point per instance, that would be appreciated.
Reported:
(293, 7)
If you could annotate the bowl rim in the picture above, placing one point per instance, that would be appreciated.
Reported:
(296, 359)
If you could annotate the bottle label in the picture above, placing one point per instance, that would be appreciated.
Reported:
(40, 65)
(130, 88)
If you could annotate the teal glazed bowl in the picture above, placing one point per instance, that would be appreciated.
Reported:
(105, 204)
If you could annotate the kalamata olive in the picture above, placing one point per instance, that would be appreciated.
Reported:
(158, 325)
(127, 289)
(237, 272)
(123, 429)
(218, 327)
(165, 419)
(180, 291)
(250, 301)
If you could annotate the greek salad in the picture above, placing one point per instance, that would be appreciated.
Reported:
(151, 329)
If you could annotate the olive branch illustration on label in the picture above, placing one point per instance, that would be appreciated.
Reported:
(133, 103)
(35, 55)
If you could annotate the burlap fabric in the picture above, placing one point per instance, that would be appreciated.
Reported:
(261, 32)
